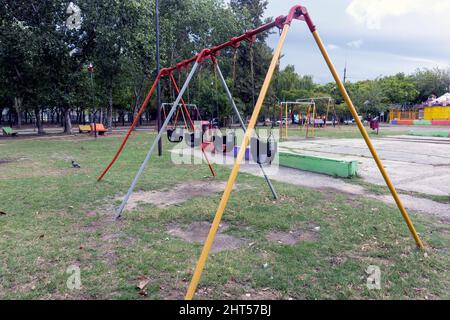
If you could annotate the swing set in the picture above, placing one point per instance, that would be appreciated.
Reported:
(331, 107)
(283, 23)
(310, 120)
(175, 134)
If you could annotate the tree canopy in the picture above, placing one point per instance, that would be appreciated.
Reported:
(44, 59)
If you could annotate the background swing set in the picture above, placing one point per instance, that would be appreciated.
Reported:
(282, 23)
(175, 134)
(310, 114)
(331, 107)
(308, 119)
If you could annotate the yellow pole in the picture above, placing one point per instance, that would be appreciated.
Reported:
(228, 189)
(367, 139)
(314, 119)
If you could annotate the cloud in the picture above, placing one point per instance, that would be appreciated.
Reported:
(332, 46)
(426, 61)
(372, 12)
(355, 44)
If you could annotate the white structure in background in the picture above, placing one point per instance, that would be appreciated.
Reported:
(73, 22)
(443, 100)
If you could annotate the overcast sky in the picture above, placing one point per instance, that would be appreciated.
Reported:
(375, 37)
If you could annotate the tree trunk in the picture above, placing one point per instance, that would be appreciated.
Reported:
(67, 121)
(18, 107)
(137, 103)
(110, 110)
(39, 125)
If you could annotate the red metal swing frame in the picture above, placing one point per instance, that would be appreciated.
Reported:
(297, 12)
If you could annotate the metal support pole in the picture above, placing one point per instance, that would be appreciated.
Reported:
(244, 127)
(191, 123)
(155, 143)
(235, 171)
(158, 89)
(366, 137)
(133, 125)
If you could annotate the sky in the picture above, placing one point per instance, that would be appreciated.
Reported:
(373, 37)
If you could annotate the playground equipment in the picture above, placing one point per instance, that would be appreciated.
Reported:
(310, 118)
(331, 104)
(168, 72)
(270, 152)
(175, 134)
(283, 23)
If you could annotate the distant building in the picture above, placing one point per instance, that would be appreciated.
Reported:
(434, 111)
(436, 108)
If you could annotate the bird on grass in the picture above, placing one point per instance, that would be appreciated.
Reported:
(75, 165)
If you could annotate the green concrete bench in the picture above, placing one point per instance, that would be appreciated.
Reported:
(332, 167)
(437, 134)
(7, 131)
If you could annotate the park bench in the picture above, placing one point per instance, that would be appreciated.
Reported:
(99, 127)
(7, 131)
(84, 129)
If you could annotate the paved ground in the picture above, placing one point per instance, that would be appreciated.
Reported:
(421, 165)
(414, 164)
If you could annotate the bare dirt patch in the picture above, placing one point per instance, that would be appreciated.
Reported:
(235, 290)
(292, 237)
(176, 195)
(263, 294)
(197, 232)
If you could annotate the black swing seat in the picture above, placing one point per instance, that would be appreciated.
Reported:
(263, 152)
(226, 144)
(194, 139)
(175, 135)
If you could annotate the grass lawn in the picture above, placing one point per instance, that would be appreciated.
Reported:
(56, 216)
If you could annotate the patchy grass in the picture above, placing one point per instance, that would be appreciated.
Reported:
(383, 190)
(56, 216)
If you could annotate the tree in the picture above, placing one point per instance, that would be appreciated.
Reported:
(252, 59)
(368, 96)
(399, 89)
(431, 82)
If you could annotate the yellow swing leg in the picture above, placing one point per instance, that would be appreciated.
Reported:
(314, 120)
(226, 195)
(367, 139)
